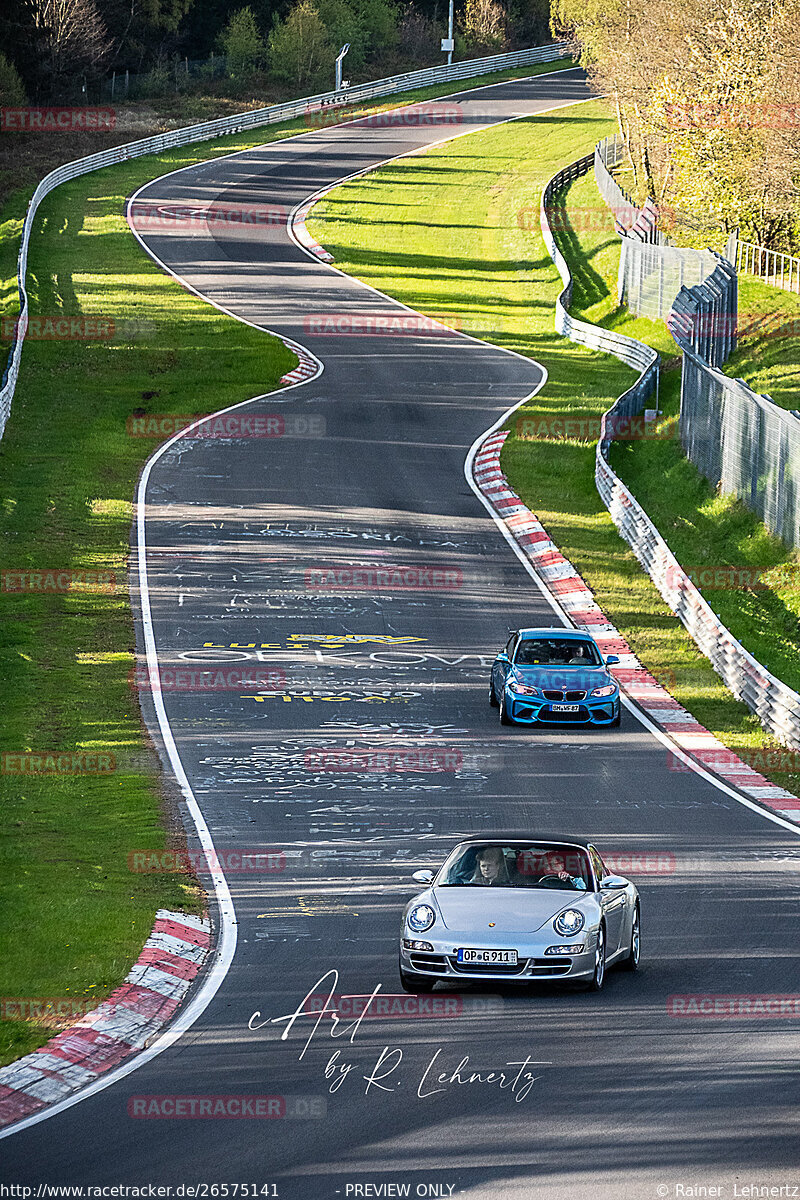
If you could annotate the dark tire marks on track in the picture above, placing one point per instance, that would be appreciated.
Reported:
(236, 532)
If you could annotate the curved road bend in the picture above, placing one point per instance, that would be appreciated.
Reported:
(240, 534)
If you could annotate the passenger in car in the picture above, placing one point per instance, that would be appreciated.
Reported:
(490, 868)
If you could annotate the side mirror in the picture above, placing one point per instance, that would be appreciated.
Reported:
(423, 876)
(611, 660)
(502, 656)
(613, 883)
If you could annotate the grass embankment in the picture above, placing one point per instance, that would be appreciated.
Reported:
(702, 528)
(75, 916)
(462, 241)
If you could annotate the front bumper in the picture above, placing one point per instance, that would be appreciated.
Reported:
(440, 963)
(530, 710)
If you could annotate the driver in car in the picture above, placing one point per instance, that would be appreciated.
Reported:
(558, 868)
(579, 656)
(490, 868)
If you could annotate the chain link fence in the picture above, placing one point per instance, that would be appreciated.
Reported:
(743, 443)
(703, 318)
(651, 272)
(775, 704)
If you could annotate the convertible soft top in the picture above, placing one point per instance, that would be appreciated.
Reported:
(516, 840)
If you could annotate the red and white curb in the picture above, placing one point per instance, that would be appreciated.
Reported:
(307, 368)
(297, 224)
(124, 1023)
(576, 599)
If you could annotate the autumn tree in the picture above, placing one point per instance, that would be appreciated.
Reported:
(484, 23)
(71, 39)
(707, 94)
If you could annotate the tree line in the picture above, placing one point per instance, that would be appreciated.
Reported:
(59, 49)
(707, 94)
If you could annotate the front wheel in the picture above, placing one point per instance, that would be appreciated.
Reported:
(631, 961)
(505, 719)
(598, 978)
(617, 719)
(495, 703)
(415, 984)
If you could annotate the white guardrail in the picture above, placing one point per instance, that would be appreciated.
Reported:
(774, 267)
(776, 705)
(237, 124)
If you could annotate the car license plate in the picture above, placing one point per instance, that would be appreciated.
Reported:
(565, 707)
(487, 957)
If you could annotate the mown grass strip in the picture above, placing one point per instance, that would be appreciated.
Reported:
(462, 241)
(75, 915)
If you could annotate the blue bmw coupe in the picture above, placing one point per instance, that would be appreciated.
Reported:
(553, 676)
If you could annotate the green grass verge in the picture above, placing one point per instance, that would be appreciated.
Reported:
(702, 528)
(461, 241)
(75, 916)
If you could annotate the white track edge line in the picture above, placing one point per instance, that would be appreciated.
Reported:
(630, 705)
(633, 708)
(227, 943)
(216, 975)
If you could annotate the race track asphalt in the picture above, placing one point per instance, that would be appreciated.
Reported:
(369, 470)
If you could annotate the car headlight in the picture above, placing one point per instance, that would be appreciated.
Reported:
(522, 689)
(568, 923)
(420, 918)
(608, 690)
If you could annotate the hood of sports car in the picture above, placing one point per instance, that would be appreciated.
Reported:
(562, 678)
(518, 910)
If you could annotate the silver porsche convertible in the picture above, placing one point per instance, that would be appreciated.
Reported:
(518, 911)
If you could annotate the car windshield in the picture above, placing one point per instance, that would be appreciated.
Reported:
(555, 652)
(537, 865)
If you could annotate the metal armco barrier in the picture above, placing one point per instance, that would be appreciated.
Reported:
(642, 358)
(395, 84)
(776, 705)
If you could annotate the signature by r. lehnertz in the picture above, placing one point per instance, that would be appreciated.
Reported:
(384, 1074)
